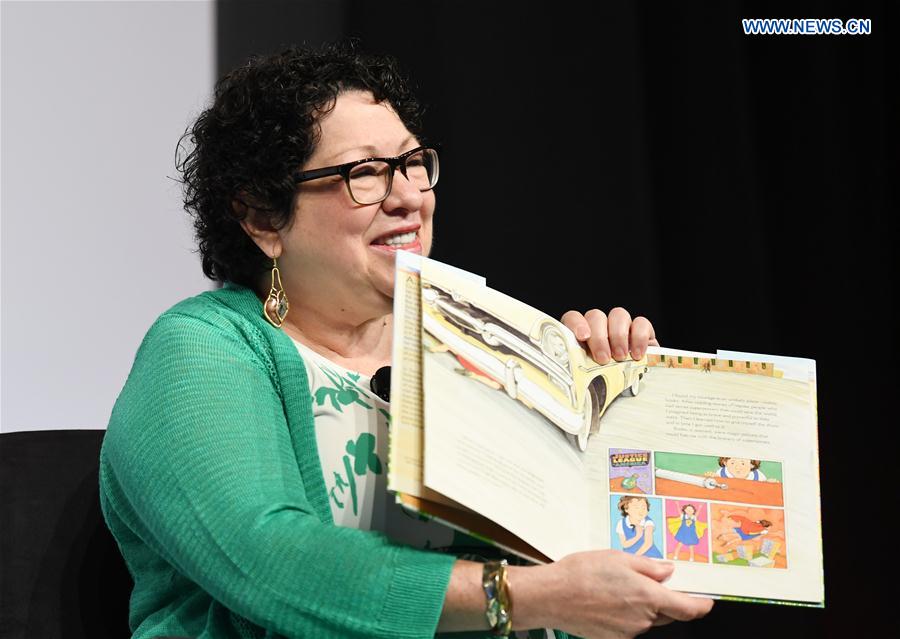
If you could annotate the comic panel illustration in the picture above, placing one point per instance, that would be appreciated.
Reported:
(687, 530)
(637, 523)
(738, 479)
(748, 536)
(630, 471)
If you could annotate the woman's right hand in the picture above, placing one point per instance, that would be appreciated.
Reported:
(600, 594)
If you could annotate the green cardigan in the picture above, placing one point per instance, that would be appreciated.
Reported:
(210, 481)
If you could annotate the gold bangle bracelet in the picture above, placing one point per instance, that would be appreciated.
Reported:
(495, 582)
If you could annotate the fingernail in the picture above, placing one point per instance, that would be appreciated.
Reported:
(637, 353)
(619, 353)
(582, 333)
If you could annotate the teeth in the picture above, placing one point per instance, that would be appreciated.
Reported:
(396, 240)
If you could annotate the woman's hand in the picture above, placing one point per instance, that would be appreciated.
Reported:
(599, 594)
(613, 335)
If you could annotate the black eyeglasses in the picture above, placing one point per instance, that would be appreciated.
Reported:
(370, 180)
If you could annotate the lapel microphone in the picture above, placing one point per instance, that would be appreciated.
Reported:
(381, 383)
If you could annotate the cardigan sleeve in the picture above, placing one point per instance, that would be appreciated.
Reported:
(198, 463)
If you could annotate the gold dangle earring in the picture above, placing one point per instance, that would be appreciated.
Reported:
(276, 306)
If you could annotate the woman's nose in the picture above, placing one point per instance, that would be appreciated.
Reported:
(404, 194)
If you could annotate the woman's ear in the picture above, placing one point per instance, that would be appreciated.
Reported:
(256, 224)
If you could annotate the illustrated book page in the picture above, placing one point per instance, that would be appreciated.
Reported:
(503, 426)
(715, 465)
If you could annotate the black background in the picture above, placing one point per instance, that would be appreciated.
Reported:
(733, 189)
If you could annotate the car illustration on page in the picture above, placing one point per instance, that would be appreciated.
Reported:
(534, 358)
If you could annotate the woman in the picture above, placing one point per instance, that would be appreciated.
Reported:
(232, 452)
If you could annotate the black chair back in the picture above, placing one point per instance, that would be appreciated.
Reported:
(61, 574)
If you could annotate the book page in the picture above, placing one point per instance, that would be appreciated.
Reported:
(486, 444)
(714, 465)
(405, 452)
(405, 448)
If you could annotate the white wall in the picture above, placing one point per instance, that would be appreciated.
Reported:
(94, 240)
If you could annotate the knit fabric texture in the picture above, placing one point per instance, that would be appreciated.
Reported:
(210, 481)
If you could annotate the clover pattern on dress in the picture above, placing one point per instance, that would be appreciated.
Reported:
(345, 390)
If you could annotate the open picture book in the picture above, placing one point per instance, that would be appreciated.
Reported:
(504, 427)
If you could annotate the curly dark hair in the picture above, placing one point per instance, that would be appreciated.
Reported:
(263, 126)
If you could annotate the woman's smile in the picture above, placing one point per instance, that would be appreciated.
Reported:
(405, 238)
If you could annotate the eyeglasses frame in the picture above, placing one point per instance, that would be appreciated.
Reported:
(397, 162)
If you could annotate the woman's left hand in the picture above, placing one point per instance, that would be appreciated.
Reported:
(611, 336)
